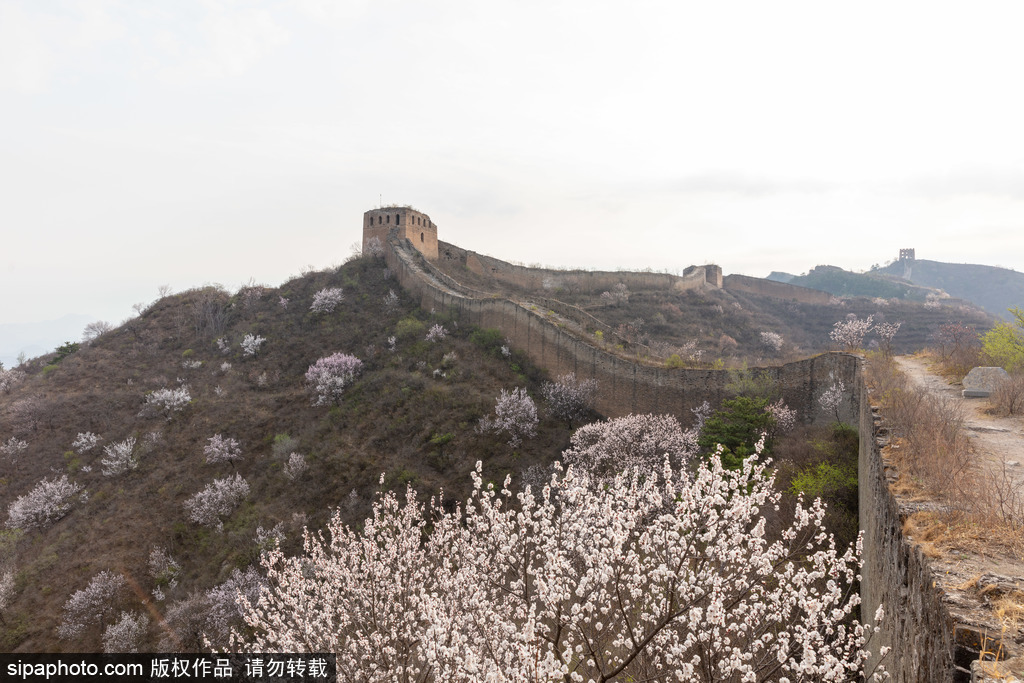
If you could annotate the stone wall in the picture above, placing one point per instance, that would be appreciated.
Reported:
(777, 290)
(592, 281)
(627, 385)
(917, 625)
(406, 223)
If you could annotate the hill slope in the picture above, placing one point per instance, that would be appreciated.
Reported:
(411, 414)
(994, 289)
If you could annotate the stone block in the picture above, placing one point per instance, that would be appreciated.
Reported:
(982, 381)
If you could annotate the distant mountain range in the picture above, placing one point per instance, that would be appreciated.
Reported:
(994, 289)
(989, 287)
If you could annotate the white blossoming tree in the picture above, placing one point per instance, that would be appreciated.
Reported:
(515, 413)
(568, 398)
(832, 398)
(222, 449)
(328, 378)
(850, 333)
(640, 442)
(119, 457)
(326, 300)
(93, 604)
(216, 501)
(167, 401)
(49, 501)
(667, 578)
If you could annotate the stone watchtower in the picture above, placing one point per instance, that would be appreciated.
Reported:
(404, 221)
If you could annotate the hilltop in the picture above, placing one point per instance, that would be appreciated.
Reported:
(993, 288)
(990, 288)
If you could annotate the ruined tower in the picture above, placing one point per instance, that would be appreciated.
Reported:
(402, 221)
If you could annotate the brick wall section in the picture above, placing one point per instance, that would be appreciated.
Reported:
(406, 223)
(777, 290)
(917, 625)
(627, 386)
(594, 281)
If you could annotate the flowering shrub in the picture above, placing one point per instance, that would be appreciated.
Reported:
(168, 401)
(390, 301)
(119, 457)
(328, 377)
(785, 417)
(6, 589)
(13, 446)
(326, 300)
(850, 333)
(10, 379)
(43, 505)
(633, 442)
(85, 442)
(217, 500)
(226, 602)
(162, 567)
(619, 294)
(832, 398)
(885, 332)
(295, 467)
(220, 449)
(641, 578)
(436, 333)
(126, 634)
(568, 398)
(771, 341)
(251, 344)
(93, 604)
(514, 413)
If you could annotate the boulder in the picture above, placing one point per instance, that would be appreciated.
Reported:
(982, 381)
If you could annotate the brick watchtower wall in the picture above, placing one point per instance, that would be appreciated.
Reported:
(407, 223)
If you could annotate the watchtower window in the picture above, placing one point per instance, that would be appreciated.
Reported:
(389, 219)
(397, 221)
(380, 219)
(421, 237)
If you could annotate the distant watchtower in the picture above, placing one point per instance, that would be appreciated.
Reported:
(406, 222)
(906, 254)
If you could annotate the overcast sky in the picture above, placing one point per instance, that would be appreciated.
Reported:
(186, 142)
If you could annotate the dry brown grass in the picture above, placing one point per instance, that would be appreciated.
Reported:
(1008, 398)
(983, 508)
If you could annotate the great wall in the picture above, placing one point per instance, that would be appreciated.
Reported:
(927, 643)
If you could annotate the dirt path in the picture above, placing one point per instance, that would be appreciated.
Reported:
(995, 440)
(979, 578)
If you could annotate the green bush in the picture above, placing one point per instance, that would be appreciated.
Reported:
(65, 350)
(1004, 343)
(410, 328)
(490, 340)
(737, 426)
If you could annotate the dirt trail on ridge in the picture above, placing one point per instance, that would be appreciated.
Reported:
(995, 440)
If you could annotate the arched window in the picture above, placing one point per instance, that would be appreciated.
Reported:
(380, 219)
(421, 237)
(389, 219)
(397, 221)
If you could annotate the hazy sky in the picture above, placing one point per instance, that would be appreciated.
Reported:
(185, 142)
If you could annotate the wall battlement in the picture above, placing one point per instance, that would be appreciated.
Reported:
(406, 223)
